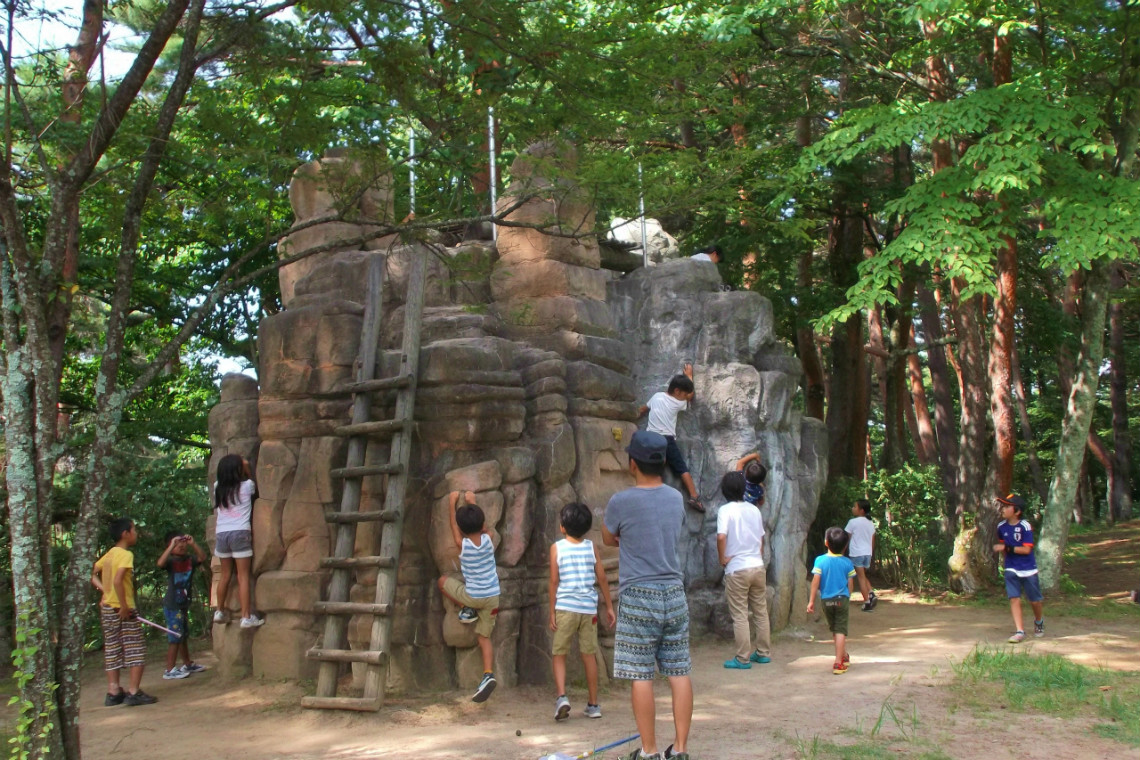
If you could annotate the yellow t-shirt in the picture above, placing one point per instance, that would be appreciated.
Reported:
(108, 565)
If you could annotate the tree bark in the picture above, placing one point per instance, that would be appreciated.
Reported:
(805, 342)
(848, 388)
(1075, 426)
(943, 393)
(925, 442)
(1120, 490)
(1027, 430)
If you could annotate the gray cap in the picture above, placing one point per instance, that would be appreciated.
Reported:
(647, 447)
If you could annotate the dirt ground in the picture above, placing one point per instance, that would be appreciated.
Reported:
(901, 656)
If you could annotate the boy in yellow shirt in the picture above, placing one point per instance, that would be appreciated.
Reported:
(123, 644)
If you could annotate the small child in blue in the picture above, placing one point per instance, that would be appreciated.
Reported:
(478, 593)
(179, 565)
(1016, 544)
(833, 578)
(754, 474)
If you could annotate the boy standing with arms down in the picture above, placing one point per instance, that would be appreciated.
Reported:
(575, 566)
(653, 614)
(478, 593)
(832, 577)
(740, 546)
(1016, 543)
(123, 644)
(861, 532)
(663, 409)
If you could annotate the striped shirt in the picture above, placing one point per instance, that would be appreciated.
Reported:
(478, 566)
(576, 577)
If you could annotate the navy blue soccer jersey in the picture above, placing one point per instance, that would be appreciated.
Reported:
(1018, 534)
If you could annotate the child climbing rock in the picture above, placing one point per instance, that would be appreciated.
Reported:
(663, 408)
(478, 593)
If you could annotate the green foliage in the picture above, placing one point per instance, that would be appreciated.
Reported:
(1053, 685)
(23, 744)
(908, 508)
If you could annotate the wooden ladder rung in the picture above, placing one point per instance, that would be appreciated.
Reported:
(382, 427)
(350, 563)
(381, 384)
(384, 515)
(348, 655)
(350, 608)
(360, 704)
(366, 470)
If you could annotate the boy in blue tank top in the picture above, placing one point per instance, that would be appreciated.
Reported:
(575, 568)
(478, 593)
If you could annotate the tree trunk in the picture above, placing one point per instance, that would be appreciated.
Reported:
(1027, 429)
(847, 390)
(1120, 488)
(943, 393)
(925, 444)
(805, 342)
(967, 569)
(1075, 426)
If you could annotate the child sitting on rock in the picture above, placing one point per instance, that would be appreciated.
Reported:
(478, 593)
(663, 409)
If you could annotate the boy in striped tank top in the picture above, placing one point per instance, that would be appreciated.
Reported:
(575, 567)
(478, 593)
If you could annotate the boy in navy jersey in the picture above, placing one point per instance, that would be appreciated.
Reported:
(1016, 543)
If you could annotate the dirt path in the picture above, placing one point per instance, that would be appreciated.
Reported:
(899, 652)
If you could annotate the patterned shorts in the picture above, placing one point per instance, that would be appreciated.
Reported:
(123, 643)
(177, 619)
(652, 632)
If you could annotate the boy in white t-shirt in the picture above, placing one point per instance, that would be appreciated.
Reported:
(862, 533)
(663, 408)
(740, 546)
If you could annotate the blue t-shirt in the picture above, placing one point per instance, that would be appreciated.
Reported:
(833, 571)
(1018, 534)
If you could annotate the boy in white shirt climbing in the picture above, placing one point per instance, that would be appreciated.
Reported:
(663, 408)
(861, 531)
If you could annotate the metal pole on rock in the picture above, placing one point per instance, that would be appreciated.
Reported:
(412, 173)
(493, 178)
(641, 207)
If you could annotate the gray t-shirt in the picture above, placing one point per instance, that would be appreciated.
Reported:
(648, 522)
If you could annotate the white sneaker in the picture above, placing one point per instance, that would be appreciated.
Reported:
(253, 621)
(219, 616)
(174, 674)
(561, 708)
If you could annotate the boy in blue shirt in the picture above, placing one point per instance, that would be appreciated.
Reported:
(833, 578)
(1015, 542)
(478, 593)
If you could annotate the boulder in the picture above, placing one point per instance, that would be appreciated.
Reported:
(661, 245)
(517, 463)
(236, 386)
(518, 520)
(288, 590)
(268, 549)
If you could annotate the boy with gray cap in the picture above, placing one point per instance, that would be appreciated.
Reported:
(645, 522)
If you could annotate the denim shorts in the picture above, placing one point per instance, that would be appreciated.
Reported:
(652, 632)
(234, 543)
(1016, 584)
(863, 560)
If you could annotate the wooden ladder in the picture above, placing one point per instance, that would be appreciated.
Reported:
(334, 649)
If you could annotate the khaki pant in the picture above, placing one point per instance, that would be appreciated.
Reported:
(747, 593)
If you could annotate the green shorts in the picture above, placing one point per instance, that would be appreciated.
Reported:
(571, 625)
(837, 611)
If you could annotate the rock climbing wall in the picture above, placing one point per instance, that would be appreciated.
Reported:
(532, 366)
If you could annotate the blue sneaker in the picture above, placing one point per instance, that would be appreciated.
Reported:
(763, 659)
(734, 664)
(468, 615)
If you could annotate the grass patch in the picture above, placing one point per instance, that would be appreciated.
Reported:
(893, 734)
(989, 679)
(1056, 605)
